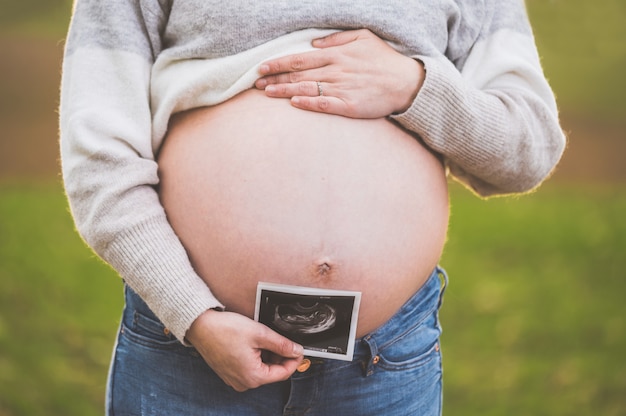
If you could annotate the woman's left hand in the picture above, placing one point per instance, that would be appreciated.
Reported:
(353, 73)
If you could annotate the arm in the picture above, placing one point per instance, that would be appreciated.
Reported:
(493, 118)
(110, 175)
(108, 162)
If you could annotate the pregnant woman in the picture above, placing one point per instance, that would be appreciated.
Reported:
(208, 146)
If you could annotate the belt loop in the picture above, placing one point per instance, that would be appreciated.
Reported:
(372, 360)
(443, 276)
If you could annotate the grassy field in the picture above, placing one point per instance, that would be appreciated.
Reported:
(534, 318)
(58, 308)
(582, 49)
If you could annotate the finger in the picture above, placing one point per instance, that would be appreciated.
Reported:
(323, 104)
(267, 373)
(281, 370)
(279, 345)
(293, 63)
(337, 39)
(307, 88)
(286, 78)
(256, 371)
(282, 357)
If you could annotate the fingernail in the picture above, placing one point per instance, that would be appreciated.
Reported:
(261, 83)
(298, 349)
(264, 69)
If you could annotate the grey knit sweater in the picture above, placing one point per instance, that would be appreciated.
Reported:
(485, 106)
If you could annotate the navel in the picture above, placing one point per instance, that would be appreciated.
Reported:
(323, 269)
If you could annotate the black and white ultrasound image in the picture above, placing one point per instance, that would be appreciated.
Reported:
(319, 323)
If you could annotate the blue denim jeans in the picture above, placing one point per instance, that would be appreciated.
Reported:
(396, 370)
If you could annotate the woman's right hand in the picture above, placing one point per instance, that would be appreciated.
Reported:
(237, 349)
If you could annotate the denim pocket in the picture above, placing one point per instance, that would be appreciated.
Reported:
(148, 332)
(414, 348)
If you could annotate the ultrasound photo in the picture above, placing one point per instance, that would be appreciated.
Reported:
(323, 321)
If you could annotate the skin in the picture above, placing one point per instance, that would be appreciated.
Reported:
(362, 77)
(247, 354)
(354, 84)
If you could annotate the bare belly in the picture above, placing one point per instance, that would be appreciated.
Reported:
(260, 191)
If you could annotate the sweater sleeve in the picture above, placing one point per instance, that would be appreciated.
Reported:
(108, 163)
(493, 117)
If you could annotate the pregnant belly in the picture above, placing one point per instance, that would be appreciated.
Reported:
(260, 191)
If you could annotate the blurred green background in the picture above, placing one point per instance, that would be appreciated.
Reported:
(534, 318)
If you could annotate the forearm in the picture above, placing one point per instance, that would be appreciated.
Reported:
(495, 119)
(110, 173)
(496, 141)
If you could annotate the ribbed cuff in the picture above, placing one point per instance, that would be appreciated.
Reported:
(152, 261)
(457, 122)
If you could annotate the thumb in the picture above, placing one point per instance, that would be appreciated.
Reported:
(279, 345)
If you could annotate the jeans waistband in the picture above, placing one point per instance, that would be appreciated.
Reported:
(422, 304)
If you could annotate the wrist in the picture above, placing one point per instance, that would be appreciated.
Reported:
(201, 324)
(415, 75)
